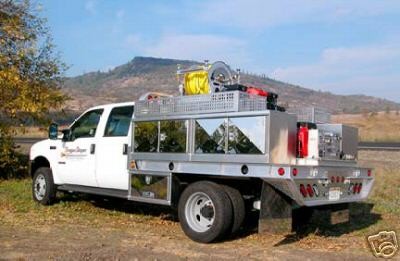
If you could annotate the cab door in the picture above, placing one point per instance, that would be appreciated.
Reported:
(112, 149)
(77, 161)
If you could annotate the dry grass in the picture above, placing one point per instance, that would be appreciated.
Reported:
(30, 132)
(386, 192)
(381, 126)
(18, 209)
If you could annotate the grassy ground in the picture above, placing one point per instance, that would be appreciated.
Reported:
(91, 215)
(382, 126)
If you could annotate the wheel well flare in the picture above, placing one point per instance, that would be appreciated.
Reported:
(39, 162)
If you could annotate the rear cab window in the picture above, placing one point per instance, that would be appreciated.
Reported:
(119, 121)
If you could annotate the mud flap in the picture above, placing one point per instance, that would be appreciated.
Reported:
(275, 211)
(281, 215)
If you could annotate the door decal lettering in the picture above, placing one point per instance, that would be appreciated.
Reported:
(73, 152)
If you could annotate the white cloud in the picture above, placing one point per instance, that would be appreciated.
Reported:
(120, 14)
(200, 47)
(267, 13)
(90, 6)
(363, 69)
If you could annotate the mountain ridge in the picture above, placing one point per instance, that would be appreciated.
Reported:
(128, 81)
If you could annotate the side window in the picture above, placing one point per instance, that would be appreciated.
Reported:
(118, 122)
(85, 126)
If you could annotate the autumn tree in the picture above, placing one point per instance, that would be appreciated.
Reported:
(31, 73)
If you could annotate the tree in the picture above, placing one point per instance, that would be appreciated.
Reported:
(31, 73)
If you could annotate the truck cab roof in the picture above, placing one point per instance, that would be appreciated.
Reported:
(111, 105)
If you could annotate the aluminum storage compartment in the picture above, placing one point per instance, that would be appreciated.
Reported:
(348, 139)
(248, 137)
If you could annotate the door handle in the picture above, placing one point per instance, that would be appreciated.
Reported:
(92, 148)
(125, 149)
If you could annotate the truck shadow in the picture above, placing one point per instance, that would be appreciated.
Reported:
(361, 216)
(122, 205)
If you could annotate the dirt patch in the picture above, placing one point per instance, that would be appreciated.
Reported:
(77, 242)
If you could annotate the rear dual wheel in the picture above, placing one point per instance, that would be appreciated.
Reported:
(208, 211)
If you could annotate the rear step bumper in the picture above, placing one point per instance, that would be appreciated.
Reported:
(323, 185)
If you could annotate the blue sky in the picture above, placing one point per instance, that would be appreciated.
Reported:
(346, 47)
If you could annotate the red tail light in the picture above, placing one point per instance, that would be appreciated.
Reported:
(281, 171)
(359, 188)
(342, 179)
(369, 173)
(355, 188)
(337, 179)
(310, 190)
(333, 179)
(303, 190)
(295, 172)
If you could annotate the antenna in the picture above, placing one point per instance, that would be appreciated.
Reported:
(238, 75)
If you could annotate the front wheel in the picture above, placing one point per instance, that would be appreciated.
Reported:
(43, 187)
(205, 211)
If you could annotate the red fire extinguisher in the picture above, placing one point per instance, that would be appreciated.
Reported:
(302, 142)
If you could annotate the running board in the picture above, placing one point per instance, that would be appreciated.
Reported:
(118, 193)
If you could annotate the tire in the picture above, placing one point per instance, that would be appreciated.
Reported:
(43, 188)
(238, 209)
(205, 212)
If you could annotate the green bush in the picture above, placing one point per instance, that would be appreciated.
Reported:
(12, 163)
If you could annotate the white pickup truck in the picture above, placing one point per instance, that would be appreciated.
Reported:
(213, 156)
(208, 182)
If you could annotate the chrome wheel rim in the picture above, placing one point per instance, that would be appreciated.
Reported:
(40, 187)
(199, 212)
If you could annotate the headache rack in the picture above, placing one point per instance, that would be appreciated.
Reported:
(234, 101)
(311, 114)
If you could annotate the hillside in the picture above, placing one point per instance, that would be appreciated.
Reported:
(143, 74)
(380, 126)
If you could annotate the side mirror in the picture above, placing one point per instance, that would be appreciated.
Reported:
(66, 135)
(53, 131)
